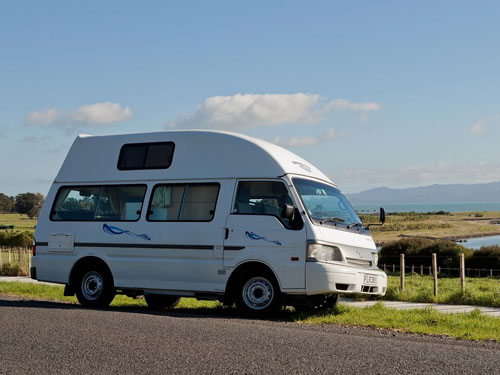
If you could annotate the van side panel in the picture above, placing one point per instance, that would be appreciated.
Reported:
(143, 254)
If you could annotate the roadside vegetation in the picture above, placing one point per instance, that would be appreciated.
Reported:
(478, 291)
(471, 326)
(20, 222)
(437, 225)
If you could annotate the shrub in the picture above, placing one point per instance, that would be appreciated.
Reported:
(418, 252)
(17, 239)
(486, 257)
(12, 270)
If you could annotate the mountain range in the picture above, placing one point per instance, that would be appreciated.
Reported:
(453, 193)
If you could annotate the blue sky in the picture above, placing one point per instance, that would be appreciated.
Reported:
(374, 93)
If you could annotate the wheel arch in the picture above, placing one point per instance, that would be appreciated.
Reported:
(84, 262)
(249, 265)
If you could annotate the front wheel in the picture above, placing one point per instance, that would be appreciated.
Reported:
(161, 302)
(95, 287)
(258, 294)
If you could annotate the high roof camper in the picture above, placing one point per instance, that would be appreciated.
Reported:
(204, 214)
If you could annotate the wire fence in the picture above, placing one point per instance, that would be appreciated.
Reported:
(395, 270)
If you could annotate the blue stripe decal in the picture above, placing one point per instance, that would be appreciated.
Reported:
(110, 229)
(255, 236)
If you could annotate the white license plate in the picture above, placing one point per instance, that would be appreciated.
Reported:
(369, 280)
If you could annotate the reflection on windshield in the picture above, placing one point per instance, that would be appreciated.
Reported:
(325, 204)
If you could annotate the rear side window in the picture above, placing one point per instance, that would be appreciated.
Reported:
(183, 202)
(146, 156)
(99, 203)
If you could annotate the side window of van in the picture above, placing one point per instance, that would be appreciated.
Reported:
(262, 198)
(183, 202)
(99, 203)
(156, 155)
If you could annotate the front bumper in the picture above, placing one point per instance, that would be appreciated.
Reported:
(324, 278)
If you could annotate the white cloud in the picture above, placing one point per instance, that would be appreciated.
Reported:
(308, 141)
(90, 114)
(101, 113)
(357, 179)
(478, 128)
(247, 111)
(46, 116)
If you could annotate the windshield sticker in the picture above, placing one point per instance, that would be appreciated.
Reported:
(254, 236)
(110, 229)
(302, 165)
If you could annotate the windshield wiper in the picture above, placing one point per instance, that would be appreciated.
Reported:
(333, 219)
(355, 225)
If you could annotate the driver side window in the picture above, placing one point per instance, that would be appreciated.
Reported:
(262, 198)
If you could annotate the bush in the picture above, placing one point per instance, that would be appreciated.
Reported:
(17, 239)
(12, 270)
(418, 252)
(487, 257)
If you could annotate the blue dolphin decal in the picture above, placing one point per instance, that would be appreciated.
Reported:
(255, 236)
(109, 229)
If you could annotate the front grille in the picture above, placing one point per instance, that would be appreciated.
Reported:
(359, 262)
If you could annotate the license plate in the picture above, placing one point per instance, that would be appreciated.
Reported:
(369, 280)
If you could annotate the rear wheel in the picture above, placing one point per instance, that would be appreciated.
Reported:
(258, 294)
(94, 287)
(161, 302)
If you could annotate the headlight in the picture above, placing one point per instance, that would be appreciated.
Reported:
(375, 259)
(323, 253)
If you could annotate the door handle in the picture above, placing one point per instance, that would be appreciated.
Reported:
(226, 234)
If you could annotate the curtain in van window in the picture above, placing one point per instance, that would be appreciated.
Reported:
(199, 202)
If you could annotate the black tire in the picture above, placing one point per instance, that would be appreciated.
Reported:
(258, 294)
(319, 302)
(94, 286)
(161, 302)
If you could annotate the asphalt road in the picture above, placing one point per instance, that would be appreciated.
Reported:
(53, 338)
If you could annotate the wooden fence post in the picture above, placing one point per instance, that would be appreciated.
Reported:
(402, 271)
(491, 272)
(20, 262)
(385, 268)
(462, 271)
(9, 258)
(412, 269)
(430, 270)
(421, 270)
(393, 268)
(434, 267)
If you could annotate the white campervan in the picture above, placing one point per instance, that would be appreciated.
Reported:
(204, 214)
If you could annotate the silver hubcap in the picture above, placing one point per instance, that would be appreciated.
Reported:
(92, 285)
(258, 293)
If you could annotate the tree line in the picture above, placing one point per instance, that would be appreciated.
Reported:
(24, 203)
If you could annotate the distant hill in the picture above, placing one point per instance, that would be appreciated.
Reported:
(454, 193)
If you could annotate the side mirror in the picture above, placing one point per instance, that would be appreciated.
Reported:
(287, 212)
(382, 215)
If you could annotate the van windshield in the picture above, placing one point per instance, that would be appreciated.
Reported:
(326, 205)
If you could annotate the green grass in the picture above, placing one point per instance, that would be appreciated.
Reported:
(478, 291)
(21, 222)
(472, 326)
(55, 293)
